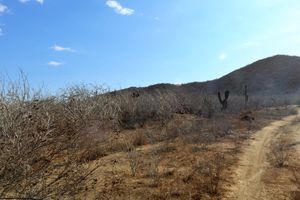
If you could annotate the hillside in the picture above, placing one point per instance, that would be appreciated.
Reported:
(277, 75)
(150, 143)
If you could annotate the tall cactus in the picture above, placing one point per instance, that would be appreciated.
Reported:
(224, 101)
(246, 96)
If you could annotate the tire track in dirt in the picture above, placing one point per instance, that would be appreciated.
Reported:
(248, 184)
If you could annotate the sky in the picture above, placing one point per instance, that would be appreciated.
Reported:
(123, 43)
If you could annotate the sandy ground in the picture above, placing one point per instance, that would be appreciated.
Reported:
(254, 177)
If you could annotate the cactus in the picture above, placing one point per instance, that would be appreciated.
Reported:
(224, 101)
(246, 96)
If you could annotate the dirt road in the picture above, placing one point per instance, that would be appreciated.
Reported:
(249, 183)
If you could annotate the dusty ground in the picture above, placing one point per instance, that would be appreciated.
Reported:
(255, 177)
(186, 166)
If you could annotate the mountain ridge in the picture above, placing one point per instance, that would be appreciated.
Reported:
(275, 75)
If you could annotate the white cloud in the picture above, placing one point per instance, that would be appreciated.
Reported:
(3, 8)
(60, 48)
(119, 8)
(223, 56)
(24, 1)
(55, 63)
(38, 1)
(1, 32)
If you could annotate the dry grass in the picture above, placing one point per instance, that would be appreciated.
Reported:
(88, 142)
(296, 176)
(279, 154)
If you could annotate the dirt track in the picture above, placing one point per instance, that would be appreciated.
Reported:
(249, 180)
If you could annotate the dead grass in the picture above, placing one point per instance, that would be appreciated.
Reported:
(279, 154)
(90, 143)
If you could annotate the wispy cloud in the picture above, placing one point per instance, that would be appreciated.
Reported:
(61, 48)
(1, 32)
(3, 8)
(223, 56)
(55, 63)
(38, 1)
(119, 8)
(24, 1)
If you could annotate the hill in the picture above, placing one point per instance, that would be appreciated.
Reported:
(277, 75)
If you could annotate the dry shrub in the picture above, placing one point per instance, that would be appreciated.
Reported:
(222, 127)
(136, 111)
(179, 130)
(165, 147)
(42, 138)
(296, 180)
(82, 103)
(296, 176)
(116, 142)
(208, 106)
(39, 145)
(152, 163)
(139, 139)
(236, 104)
(293, 111)
(196, 149)
(134, 158)
(93, 152)
(279, 154)
(209, 171)
(236, 142)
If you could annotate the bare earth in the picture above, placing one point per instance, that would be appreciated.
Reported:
(254, 177)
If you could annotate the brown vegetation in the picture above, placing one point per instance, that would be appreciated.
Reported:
(89, 142)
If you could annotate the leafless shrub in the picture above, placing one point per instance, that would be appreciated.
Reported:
(146, 107)
(83, 102)
(279, 152)
(295, 169)
(208, 106)
(93, 152)
(236, 142)
(236, 104)
(223, 128)
(139, 139)
(181, 130)
(123, 142)
(165, 147)
(296, 176)
(42, 137)
(153, 164)
(134, 159)
(293, 112)
(195, 149)
(39, 145)
(210, 171)
(201, 140)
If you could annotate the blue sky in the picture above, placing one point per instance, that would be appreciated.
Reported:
(141, 42)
